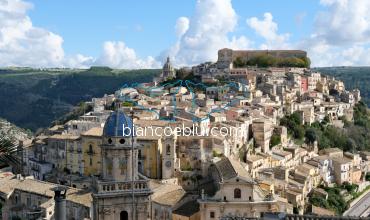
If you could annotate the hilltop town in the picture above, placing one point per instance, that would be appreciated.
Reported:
(272, 166)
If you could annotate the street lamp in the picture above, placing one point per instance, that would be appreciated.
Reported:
(132, 162)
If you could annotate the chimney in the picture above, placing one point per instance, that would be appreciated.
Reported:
(60, 210)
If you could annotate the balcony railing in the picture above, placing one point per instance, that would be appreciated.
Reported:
(140, 186)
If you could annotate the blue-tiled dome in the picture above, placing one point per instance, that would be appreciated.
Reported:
(114, 125)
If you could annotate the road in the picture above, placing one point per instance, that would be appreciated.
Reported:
(361, 208)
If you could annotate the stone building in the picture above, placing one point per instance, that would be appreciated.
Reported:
(168, 71)
(262, 132)
(33, 199)
(227, 56)
(91, 151)
(121, 192)
(238, 194)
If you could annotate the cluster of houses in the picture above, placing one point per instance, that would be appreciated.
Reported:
(114, 175)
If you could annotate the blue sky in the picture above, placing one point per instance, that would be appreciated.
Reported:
(139, 34)
(85, 25)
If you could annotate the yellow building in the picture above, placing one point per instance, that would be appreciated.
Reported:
(149, 158)
(91, 142)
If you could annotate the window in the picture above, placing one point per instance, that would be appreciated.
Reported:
(122, 141)
(90, 148)
(91, 161)
(168, 150)
(212, 214)
(250, 198)
(110, 141)
(237, 193)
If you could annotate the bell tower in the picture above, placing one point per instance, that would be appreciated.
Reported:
(168, 157)
(121, 192)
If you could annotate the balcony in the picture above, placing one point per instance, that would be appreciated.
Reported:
(140, 187)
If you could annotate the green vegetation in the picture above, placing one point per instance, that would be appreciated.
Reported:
(336, 194)
(216, 154)
(294, 125)
(127, 104)
(8, 153)
(275, 140)
(187, 167)
(33, 98)
(270, 61)
(334, 202)
(353, 137)
(77, 111)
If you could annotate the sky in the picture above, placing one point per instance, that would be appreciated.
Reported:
(142, 33)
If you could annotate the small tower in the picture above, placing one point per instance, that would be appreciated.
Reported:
(168, 157)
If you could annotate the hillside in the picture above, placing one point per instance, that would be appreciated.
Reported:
(353, 77)
(12, 132)
(33, 98)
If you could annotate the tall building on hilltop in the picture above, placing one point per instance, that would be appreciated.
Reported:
(114, 197)
(226, 56)
(168, 71)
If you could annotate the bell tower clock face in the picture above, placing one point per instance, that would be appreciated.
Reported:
(168, 164)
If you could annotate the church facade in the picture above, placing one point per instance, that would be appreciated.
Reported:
(121, 192)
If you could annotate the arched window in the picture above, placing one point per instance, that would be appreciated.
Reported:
(237, 193)
(123, 215)
(168, 150)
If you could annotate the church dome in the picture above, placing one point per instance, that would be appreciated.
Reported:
(168, 65)
(114, 126)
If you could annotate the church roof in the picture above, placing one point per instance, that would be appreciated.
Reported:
(229, 168)
(115, 124)
(167, 65)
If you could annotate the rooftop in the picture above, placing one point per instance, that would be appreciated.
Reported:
(188, 209)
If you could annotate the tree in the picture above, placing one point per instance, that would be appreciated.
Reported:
(275, 140)
(310, 135)
(298, 132)
(238, 62)
(8, 153)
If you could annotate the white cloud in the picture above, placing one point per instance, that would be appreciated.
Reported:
(267, 29)
(22, 44)
(182, 25)
(341, 34)
(206, 32)
(343, 22)
(118, 55)
(79, 61)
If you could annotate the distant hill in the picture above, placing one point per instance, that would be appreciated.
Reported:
(353, 77)
(33, 98)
